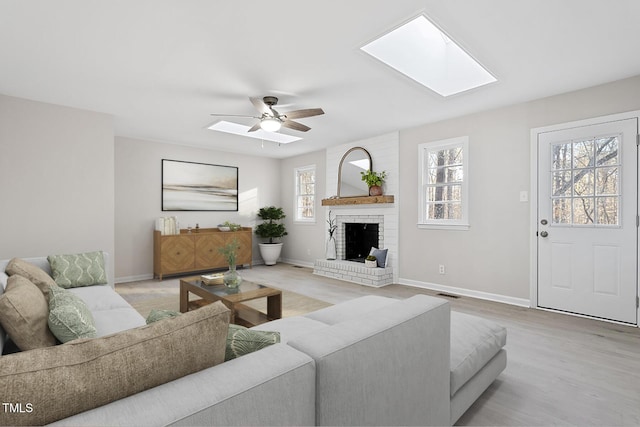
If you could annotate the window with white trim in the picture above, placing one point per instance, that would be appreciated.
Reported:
(305, 201)
(444, 184)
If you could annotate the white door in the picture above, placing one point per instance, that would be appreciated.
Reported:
(587, 213)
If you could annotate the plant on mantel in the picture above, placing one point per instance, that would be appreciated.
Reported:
(374, 180)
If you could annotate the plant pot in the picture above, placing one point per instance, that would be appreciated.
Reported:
(375, 190)
(270, 252)
(370, 263)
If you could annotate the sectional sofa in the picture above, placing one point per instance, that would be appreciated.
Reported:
(368, 361)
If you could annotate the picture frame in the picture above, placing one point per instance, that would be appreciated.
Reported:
(191, 186)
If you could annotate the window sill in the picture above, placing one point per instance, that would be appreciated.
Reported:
(460, 227)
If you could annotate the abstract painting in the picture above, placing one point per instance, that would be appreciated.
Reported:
(189, 186)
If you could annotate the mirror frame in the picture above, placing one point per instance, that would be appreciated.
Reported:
(342, 161)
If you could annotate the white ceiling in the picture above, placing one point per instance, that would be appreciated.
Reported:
(161, 67)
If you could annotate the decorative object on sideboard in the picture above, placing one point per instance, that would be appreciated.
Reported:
(168, 226)
(370, 261)
(231, 278)
(330, 249)
(229, 226)
(189, 186)
(374, 180)
(271, 229)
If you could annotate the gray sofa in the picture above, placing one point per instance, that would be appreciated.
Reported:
(368, 361)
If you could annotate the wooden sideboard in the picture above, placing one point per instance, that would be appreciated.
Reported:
(197, 251)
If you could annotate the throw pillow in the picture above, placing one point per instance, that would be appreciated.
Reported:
(69, 317)
(67, 379)
(33, 273)
(241, 341)
(155, 315)
(381, 256)
(23, 314)
(85, 269)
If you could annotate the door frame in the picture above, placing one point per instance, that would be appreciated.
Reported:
(533, 212)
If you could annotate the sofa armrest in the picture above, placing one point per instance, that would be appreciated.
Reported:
(273, 386)
(388, 367)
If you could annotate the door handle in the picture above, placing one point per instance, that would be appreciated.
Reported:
(543, 234)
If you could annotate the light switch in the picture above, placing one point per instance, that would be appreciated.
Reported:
(524, 196)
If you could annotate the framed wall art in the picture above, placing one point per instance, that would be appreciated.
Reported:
(190, 186)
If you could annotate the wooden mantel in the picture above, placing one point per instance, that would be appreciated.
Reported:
(364, 200)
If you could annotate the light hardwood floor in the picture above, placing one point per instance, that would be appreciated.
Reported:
(561, 370)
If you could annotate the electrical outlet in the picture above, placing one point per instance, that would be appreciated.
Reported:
(441, 269)
(308, 251)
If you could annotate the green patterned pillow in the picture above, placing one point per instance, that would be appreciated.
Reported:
(71, 271)
(69, 317)
(241, 341)
(155, 315)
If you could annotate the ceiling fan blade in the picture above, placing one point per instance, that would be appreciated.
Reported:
(234, 115)
(299, 114)
(254, 127)
(260, 105)
(295, 125)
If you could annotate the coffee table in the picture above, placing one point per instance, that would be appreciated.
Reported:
(241, 314)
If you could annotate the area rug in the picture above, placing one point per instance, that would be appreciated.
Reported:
(293, 304)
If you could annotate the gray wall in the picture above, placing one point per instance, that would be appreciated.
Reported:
(56, 179)
(493, 256)
(138, 198)
(305, 241)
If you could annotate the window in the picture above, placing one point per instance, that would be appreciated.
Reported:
(585, 188)
(305, 193)
(443, 191)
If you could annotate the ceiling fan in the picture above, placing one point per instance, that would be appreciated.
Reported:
(271, 120)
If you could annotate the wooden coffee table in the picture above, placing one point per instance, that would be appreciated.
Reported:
(241, 314)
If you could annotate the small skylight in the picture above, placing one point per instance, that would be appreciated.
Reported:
(419, 50)
(237, 129)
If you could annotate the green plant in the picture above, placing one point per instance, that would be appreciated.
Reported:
(229, 251)
(232, 225)
(371, 258)
(373, 178)
(270, 228)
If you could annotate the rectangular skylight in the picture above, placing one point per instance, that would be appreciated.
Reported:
(419, 50)
(237, 129)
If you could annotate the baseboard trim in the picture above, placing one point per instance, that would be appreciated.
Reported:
(299, 262)
(520, 302)
(127, 279)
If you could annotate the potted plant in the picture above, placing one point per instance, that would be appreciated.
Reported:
(370, 261)
(231, 278)
(271, 229)
(374, 180)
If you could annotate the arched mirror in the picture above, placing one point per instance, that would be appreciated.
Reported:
(350, 183)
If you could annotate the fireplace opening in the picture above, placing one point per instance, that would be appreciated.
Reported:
(359, 238)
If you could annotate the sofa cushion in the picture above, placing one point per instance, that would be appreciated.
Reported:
(110, 311)
(241, 341)
(291, 327)
(69, 317)
(156, 315)
(23, 314)
(474, 342)
(74, 377)
(350, 309)
(73, 270)
(33, 273)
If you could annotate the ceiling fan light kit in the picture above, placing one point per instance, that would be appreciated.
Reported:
(270, 124)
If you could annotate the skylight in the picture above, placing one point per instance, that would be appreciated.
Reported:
(419, 50)
(237, 129)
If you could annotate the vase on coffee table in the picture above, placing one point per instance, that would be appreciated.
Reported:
(232, 278)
